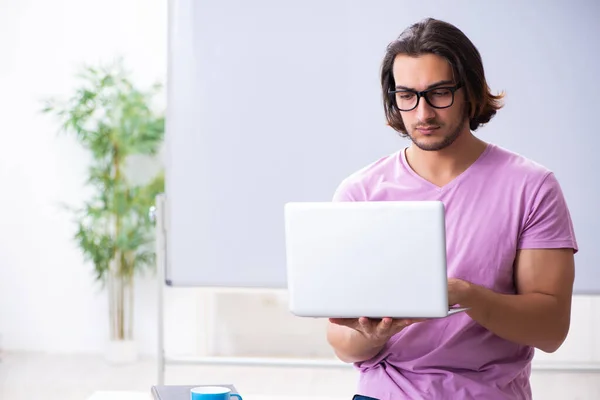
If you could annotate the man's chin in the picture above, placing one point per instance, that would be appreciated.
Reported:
(435, 141)
(432, 144)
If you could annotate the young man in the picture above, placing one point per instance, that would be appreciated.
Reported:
(510, 240)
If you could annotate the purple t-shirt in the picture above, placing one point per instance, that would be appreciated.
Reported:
(503, 202)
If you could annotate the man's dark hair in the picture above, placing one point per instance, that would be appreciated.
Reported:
(432, 36)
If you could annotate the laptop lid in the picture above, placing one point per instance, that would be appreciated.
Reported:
(366, 259)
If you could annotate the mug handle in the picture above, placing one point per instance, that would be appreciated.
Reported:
(237, 396)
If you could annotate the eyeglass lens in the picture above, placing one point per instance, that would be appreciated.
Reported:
(439, 98)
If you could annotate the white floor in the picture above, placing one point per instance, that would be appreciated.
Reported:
(77, 377)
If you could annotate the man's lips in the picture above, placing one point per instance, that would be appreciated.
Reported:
(427, 129)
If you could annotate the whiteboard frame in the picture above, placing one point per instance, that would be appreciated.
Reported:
(160, 214)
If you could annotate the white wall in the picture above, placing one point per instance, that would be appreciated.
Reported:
(48, 299)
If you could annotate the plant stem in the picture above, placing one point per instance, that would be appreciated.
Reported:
(111, 305)
(118, 254)
(130, 306)
(113, 302)
(121, 307)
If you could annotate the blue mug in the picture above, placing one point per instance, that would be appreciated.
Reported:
(213, 393)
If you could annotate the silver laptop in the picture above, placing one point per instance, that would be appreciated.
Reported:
(367, 259)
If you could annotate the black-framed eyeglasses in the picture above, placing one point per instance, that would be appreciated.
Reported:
(437, 97)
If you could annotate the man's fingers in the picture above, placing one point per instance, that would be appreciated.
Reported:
(364, 325)
(380, 327)
(383, 327)
(349, 322)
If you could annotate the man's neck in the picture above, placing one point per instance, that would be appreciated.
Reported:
(441, 167)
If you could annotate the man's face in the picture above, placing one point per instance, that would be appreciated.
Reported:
(430, 128)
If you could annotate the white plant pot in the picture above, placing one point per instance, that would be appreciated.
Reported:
(121, 352)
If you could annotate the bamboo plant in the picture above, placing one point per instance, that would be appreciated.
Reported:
(113, 119)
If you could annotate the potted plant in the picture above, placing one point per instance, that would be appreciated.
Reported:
(115, 121)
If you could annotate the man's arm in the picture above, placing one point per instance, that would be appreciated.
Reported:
(539, 314)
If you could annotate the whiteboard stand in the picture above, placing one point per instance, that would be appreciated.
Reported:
(158, 214)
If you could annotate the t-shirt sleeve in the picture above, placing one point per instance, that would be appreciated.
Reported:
(347, 191)
(549, 223)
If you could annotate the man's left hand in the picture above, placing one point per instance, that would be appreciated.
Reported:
(458, 291)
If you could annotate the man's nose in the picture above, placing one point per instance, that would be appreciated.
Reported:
(424, 111)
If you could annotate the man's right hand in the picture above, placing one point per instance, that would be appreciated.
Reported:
(377, 331)
(358, 339)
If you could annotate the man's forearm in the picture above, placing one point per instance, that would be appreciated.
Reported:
(535, 319)
(349, 345)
